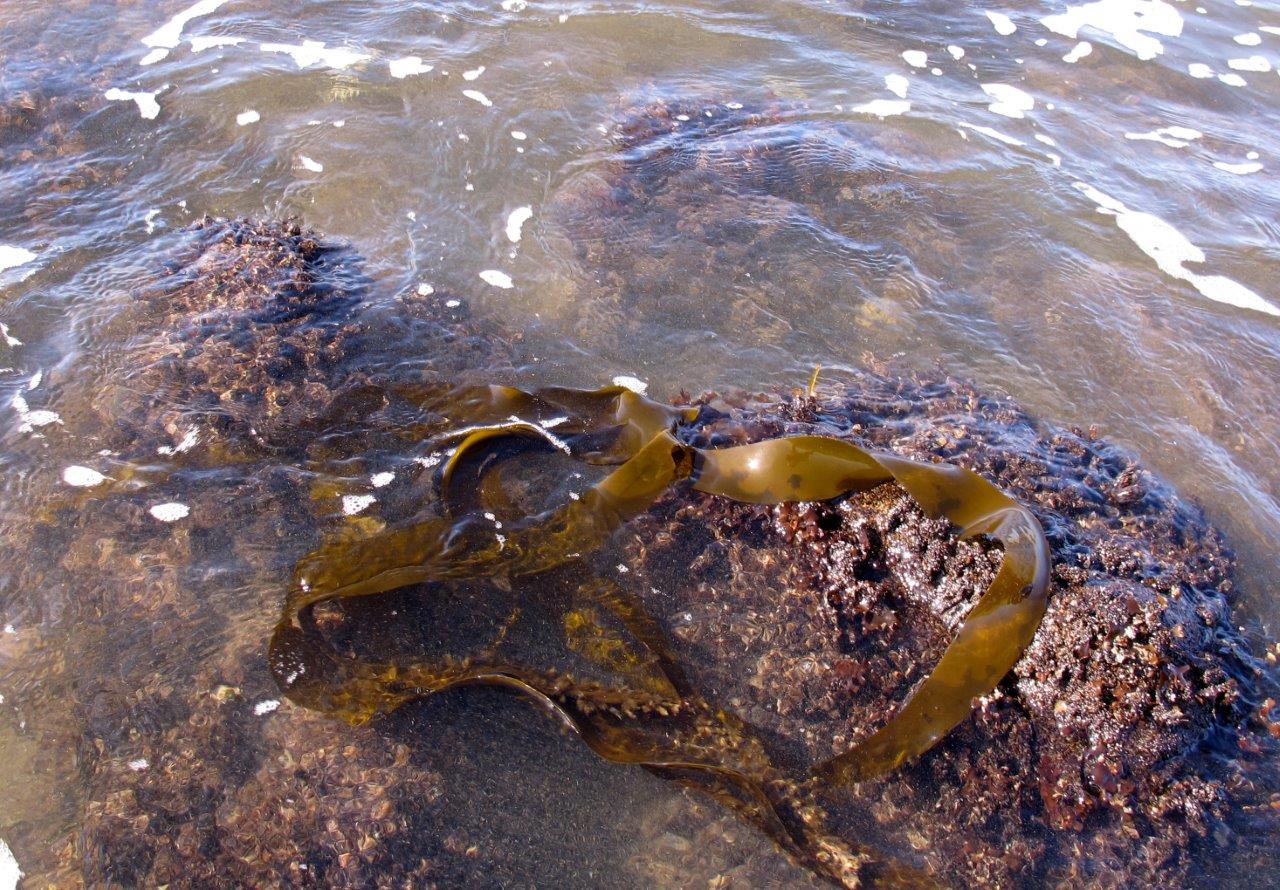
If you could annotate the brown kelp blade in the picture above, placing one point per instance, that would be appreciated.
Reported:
(428, 550)
(662, 725)
(997, 629)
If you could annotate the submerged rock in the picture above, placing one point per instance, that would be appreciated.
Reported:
(1126, 746)
(136, 645)
(258, 337)
(701, 215)
(255, 384)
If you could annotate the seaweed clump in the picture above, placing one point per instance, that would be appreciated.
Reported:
(647, 713)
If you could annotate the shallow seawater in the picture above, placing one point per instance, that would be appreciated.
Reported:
(1073, 204)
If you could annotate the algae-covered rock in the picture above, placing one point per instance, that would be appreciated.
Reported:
(257, 382)
(1123, 747)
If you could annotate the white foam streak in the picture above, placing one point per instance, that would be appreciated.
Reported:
(1172, 251)
(897, 84)
(1008, 100)
(314, 52)
(994, 134)
(916, 58)
(1002, 23)
(170, 512)
(1242, 169)
(883, 108)
(148, 107)
(28, 420)
(1124, 20)
(11, 257)
(516, 221)
(82, 477)
(10, 874)
(1078, 52)
(169, 35)
(497, 279)
(408, 66)
(477, 96)
(353, 504)
(1252, 63)
(1174, 137)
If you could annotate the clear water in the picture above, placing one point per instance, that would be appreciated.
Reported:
(1056, 241)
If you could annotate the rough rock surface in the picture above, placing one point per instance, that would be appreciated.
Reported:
(1127, 742)
(256, 334)
(705, 215)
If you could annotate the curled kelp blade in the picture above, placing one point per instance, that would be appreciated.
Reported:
(753, 790)
(996, 631)
(649, 459)
(623, 419)
(599, 654)
(430, 551)
(799, 468)
(683, 739)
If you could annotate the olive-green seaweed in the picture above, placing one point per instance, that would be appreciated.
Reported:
(647, 714)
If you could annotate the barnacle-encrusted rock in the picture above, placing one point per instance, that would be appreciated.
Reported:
(148, 664)
(1124, 746)
(702, 215)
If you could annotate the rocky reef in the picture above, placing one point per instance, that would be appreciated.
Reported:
(259, 382)
(1132, 743)
(707, 215)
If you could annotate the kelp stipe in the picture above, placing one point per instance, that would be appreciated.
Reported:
(646, 713)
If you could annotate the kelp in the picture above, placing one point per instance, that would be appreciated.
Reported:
(598, 662)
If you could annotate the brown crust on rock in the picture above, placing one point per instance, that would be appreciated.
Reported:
(1118, 749)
